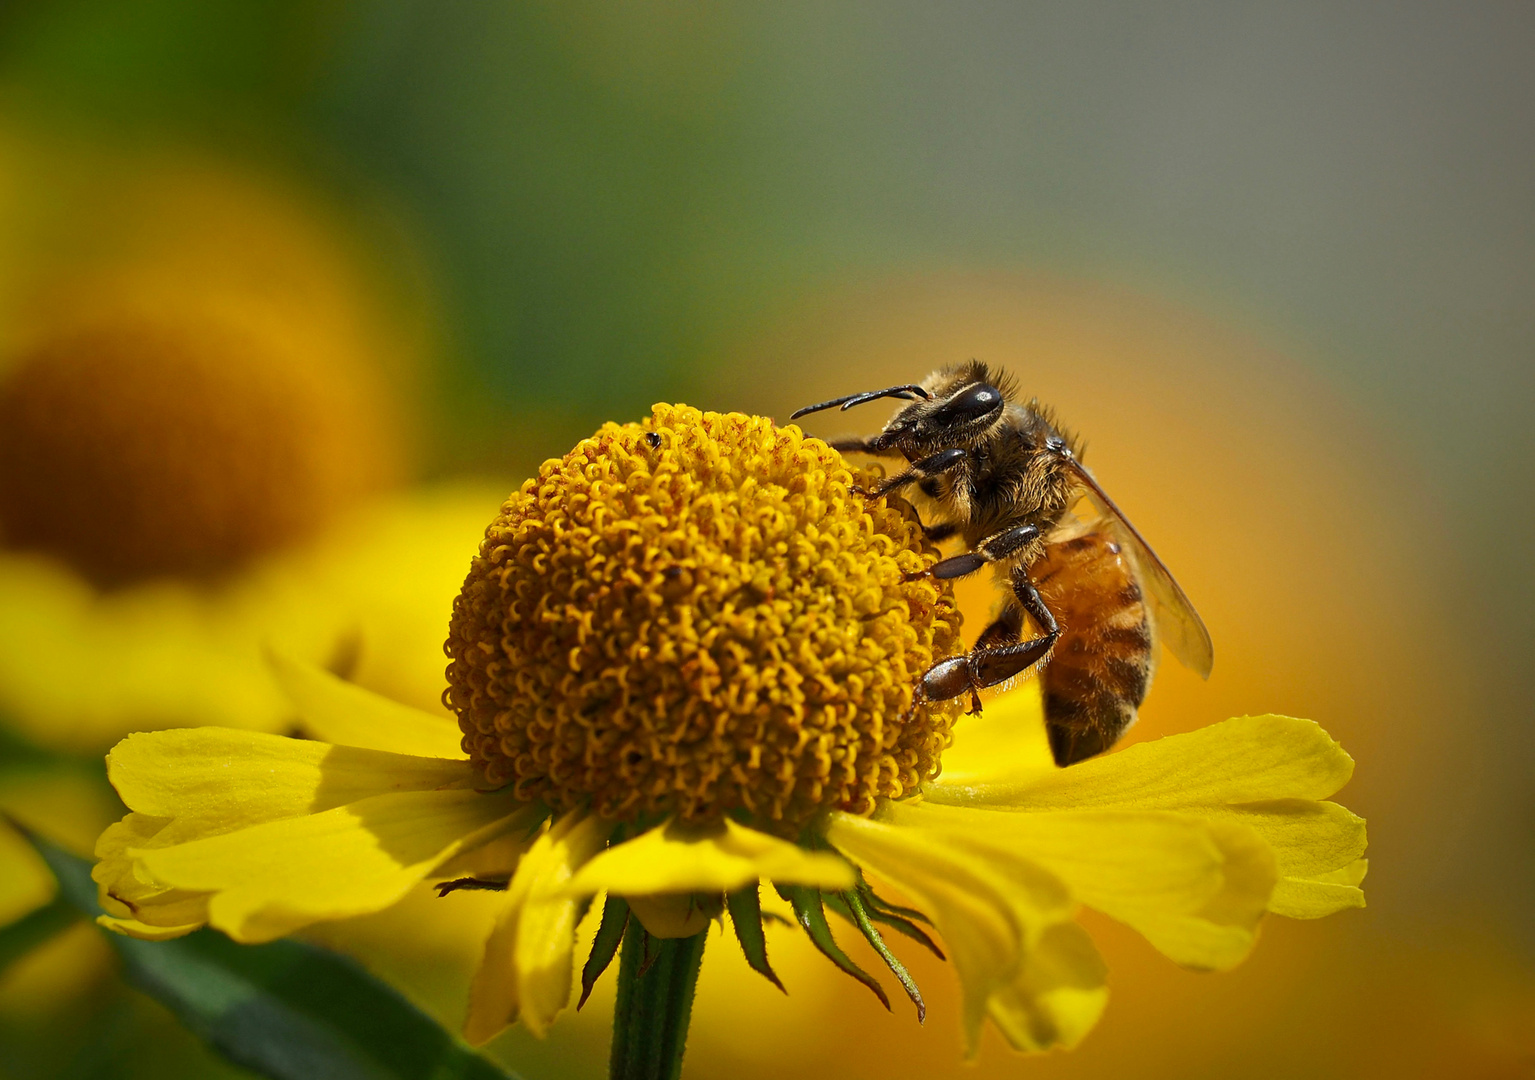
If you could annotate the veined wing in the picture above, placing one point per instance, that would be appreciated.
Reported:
(1177, 623)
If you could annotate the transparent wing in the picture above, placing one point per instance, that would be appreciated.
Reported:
(1177, 623)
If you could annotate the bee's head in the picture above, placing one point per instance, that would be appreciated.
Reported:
(967, 401)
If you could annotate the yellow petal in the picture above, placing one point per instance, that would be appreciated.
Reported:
(526, 973)
(179, 654)
(159, 654)
(146, 931)
(1221, 933)
(132, 903)
(345, 714)
(677, 858)
(214, 780)
(1324, 894)
(1059, 995)
(1195, 887)
(270, 879)
(1246, 759)
(1309, 838)
(991, 910)
(1006, 744)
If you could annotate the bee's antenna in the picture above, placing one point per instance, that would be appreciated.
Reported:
(910, 392)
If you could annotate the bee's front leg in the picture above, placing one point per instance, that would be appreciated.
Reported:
(933, 465)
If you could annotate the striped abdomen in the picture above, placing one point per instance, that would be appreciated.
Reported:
(1101, 665)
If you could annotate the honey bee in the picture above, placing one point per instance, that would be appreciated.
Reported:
(1091, 594)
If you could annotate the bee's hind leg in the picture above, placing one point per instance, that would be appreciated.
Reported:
(993, 661)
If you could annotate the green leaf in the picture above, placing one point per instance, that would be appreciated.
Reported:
(806, 902)
(285, 1010)
(746, 916)
(34, 928)
(610, 932)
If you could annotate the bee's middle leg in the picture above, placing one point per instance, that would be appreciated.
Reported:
(998, 655)
(993, 548)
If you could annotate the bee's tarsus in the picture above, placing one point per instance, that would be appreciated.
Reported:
(938, 464)
(485, 884)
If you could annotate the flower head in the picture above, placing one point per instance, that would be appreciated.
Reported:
(199, 452)
(698, 615)
(674, 740)
(147, 444)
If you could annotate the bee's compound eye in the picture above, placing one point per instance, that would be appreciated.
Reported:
(972, 403)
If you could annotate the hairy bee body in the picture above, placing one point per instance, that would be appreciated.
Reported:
(1101, 667)
(1004, 477)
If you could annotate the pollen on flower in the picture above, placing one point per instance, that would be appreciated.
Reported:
(140, 445)
(697, 615)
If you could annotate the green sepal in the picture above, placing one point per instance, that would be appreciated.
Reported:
(899, 923)
(806, 902)
(860, 915)
(873, 902)
(908, 928)
(610, 934)
(903, 920)
(745, 906)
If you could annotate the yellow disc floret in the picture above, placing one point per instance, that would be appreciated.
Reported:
(700, 615)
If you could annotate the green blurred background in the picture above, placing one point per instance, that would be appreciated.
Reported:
(1277, 261)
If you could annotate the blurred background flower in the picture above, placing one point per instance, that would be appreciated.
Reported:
(1275, 263)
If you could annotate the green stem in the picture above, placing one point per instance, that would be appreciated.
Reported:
(650, 1020)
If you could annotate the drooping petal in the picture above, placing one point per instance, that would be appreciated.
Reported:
(1324, 894)
(1195, 887)
(991, 911)
(148, 931)
(135, 906)
(1059, 995)
(215, 780)
(1242, 760)
(527, 970)
(678, 858)
(1219, 934)
(345, 714)
(270, 879)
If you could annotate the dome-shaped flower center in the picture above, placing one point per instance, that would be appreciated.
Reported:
(141, 446)
(696, 615)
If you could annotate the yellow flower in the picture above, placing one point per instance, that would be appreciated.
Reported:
(199, 454)
(682, 664)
